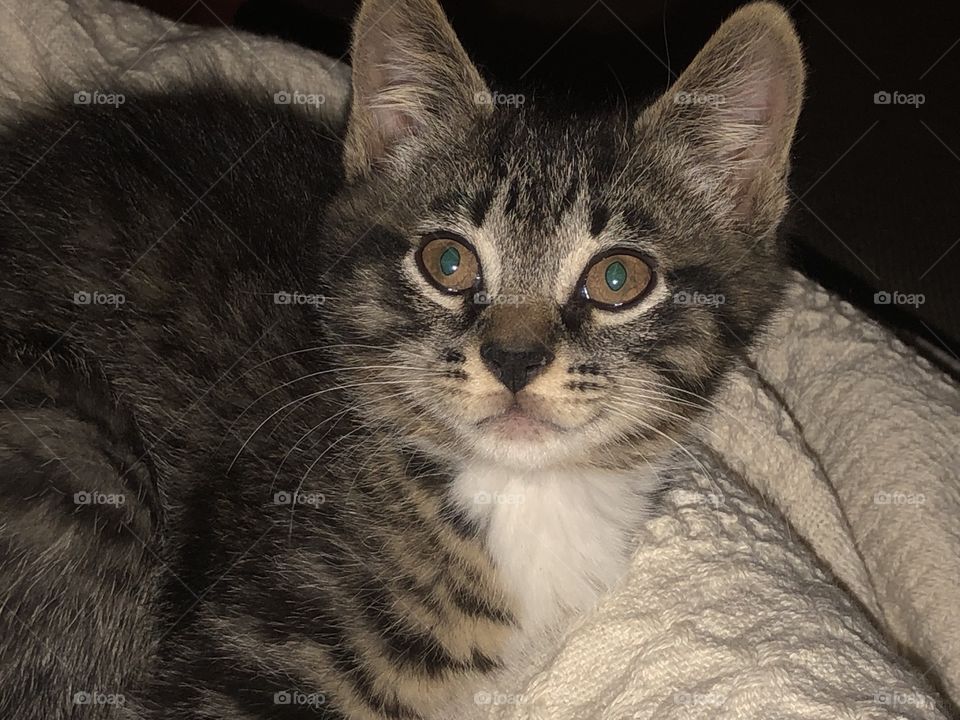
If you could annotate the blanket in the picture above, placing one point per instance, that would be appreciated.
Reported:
(807, 562)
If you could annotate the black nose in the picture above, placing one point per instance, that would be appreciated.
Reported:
(515, 367)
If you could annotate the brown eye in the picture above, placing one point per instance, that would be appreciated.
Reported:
(616, 280)
(449, 264)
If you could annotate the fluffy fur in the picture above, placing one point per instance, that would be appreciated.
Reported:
(324, 502)
(558, 538)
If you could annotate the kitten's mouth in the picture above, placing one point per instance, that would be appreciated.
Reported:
(515, 423)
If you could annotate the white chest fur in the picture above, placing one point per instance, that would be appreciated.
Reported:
(559, 538)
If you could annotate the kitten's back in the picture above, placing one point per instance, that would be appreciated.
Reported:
(160, 215)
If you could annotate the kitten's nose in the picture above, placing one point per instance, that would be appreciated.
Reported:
(515, 367)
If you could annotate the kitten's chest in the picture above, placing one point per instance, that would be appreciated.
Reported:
(559, 539)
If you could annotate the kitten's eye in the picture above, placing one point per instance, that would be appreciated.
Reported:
(449, 264)
(616, 279)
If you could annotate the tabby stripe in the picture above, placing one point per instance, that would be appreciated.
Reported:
(638, 221)
(701, 278)
(460, 592)
(475, 606)
(513, 195)
(599, 217)
(457, 520)
(483, 663)
(454, 518)
(479, 207)
(412, 649)
(254, 692)
(569, 197)
(328, 631)
(424, 594)
(451, 203)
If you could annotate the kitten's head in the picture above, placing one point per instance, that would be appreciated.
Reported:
(533, 289)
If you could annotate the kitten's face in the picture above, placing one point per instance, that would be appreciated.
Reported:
(591, 305)
(536, 291)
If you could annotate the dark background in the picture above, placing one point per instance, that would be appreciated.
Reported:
(877, 203)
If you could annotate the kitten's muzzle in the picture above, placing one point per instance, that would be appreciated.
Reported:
(515, 367)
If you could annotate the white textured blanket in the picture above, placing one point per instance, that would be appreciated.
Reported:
(780, 604)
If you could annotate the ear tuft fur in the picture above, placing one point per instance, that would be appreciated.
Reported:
(410, 74)
(735, 108)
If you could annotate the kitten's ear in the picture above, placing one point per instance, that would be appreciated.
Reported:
(734, 110)
(410, 75)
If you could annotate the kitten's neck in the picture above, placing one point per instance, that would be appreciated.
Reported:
(559, 538)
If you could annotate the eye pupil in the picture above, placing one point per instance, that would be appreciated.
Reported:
(615, 276)
(450, 261)
(616, 280)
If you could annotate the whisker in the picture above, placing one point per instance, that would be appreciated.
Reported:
(674, 441)
(326, 372)
(341, 413)
(309, 396)
(709, 406)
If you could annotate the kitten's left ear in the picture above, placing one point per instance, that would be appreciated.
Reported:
(732, 113)
(410, 76)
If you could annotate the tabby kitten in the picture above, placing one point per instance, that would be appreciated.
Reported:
(300, 420)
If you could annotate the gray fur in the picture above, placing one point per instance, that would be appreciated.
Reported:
(203, 596)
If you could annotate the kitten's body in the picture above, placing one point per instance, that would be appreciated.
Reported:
(434, 532)
(235, 597)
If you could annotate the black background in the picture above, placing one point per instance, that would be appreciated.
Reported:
(877, 203)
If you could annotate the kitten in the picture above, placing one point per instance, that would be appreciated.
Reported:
(301, 420)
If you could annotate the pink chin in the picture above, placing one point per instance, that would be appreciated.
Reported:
(515, 424)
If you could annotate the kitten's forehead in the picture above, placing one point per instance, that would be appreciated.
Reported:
(542, 199)
(536, 237)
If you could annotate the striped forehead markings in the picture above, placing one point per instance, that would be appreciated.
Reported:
(599, 217)
(479, 207)
(513, 194)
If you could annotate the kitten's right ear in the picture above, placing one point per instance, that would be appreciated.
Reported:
(734, 111)
(410, 75)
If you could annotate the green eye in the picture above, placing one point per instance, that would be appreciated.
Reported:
(449, 261)
(616, 276)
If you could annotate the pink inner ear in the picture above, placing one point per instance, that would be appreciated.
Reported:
(410, 76)
(392, 124)
(749, 125)
(389, 90)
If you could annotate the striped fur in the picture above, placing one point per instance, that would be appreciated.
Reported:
(265, 484)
